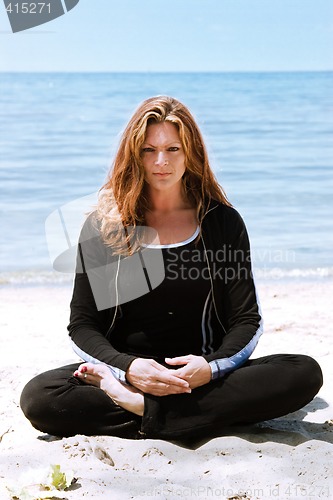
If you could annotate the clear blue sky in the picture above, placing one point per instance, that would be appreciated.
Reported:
(176, 35)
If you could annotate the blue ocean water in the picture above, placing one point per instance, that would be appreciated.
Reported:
(269, 136)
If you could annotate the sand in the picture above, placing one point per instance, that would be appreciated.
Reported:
(288, 458)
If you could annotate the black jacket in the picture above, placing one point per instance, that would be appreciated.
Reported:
(234, 298)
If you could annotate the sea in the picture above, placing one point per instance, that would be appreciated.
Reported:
(269, 138)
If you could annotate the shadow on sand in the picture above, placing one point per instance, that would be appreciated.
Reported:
(290, 429)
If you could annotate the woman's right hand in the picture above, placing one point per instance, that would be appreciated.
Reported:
(153, 378)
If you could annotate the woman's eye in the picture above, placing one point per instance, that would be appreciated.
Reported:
(174, 148)
(147, 150)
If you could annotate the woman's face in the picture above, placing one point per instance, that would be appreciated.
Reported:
(163, 157)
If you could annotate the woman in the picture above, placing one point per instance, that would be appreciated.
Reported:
(164, 310)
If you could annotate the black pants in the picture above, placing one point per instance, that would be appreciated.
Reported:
(57, 403)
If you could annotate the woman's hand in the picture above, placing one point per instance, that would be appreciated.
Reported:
(153, 378)
(196, 371)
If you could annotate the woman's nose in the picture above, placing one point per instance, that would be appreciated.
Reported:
(161, 158)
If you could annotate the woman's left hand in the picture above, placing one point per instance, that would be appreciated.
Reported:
(195, 369)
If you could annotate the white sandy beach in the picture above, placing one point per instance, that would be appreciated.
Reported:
(289, 458)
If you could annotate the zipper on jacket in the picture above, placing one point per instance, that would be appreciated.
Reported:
(211, 284)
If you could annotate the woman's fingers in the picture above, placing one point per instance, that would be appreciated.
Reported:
(180, 360)
(153, 378)
(195, 370)
(170, 380)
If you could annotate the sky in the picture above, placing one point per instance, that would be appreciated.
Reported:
(175, 35)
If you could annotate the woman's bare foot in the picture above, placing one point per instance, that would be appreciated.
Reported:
(99, 375)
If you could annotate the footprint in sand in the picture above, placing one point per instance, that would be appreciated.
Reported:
(103, 456)
(77, 447)
(153, 457)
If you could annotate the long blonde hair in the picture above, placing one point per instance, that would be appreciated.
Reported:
(123, 202)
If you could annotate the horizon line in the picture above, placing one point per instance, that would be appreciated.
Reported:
(169, 71)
